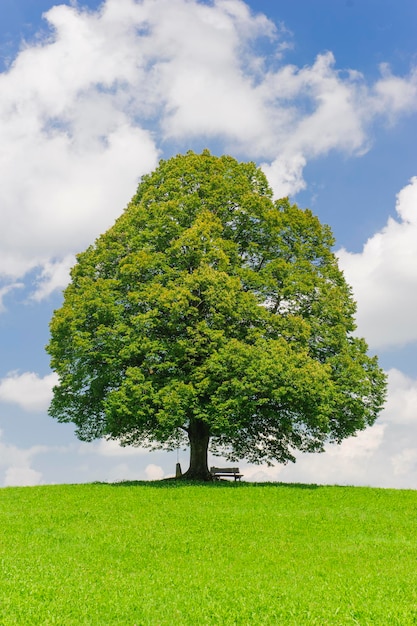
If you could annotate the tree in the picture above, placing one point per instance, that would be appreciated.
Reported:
(209, 314)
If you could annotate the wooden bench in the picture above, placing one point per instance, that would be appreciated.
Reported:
(216, 472)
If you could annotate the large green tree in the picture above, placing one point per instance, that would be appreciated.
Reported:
(211, 315)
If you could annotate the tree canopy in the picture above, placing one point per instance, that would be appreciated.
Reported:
(211, 315)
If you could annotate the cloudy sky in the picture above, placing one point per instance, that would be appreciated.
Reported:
(322, 95)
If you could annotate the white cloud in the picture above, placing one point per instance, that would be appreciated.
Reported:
(5, 290)
(384, 277)
(121, 472)
(319, 108)
(17, 464)
(28, 390)
(405, 462)
(200, 70)
(393, 94)
(401, 405)
(18, 457)
(285, 174)
(22, 477)
(83, 114)
(154, 472)
(65, 115)
(54, 275)
(364, 444)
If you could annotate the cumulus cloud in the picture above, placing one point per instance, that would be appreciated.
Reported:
(16, 463)
(22, 477)
(71, 151)
(364, 444)
(14, 456)
(154, 472)
(321, 108)
(384, 277)
(86, 111)
(392, 94)
(405, 463)
(54, 275)
(401, 405)
(121, 472)
(28, 390)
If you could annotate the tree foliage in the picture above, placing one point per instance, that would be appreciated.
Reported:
(209, 312)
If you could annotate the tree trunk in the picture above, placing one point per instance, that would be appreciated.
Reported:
(199, 436)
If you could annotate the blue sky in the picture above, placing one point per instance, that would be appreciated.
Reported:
(322, 95)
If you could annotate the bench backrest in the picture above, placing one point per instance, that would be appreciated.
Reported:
(224, 470)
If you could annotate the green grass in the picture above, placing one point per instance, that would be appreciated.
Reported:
(222, 554)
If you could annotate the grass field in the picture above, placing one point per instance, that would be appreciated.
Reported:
(221, 554)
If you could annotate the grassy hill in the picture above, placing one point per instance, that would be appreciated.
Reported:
(222, 554)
